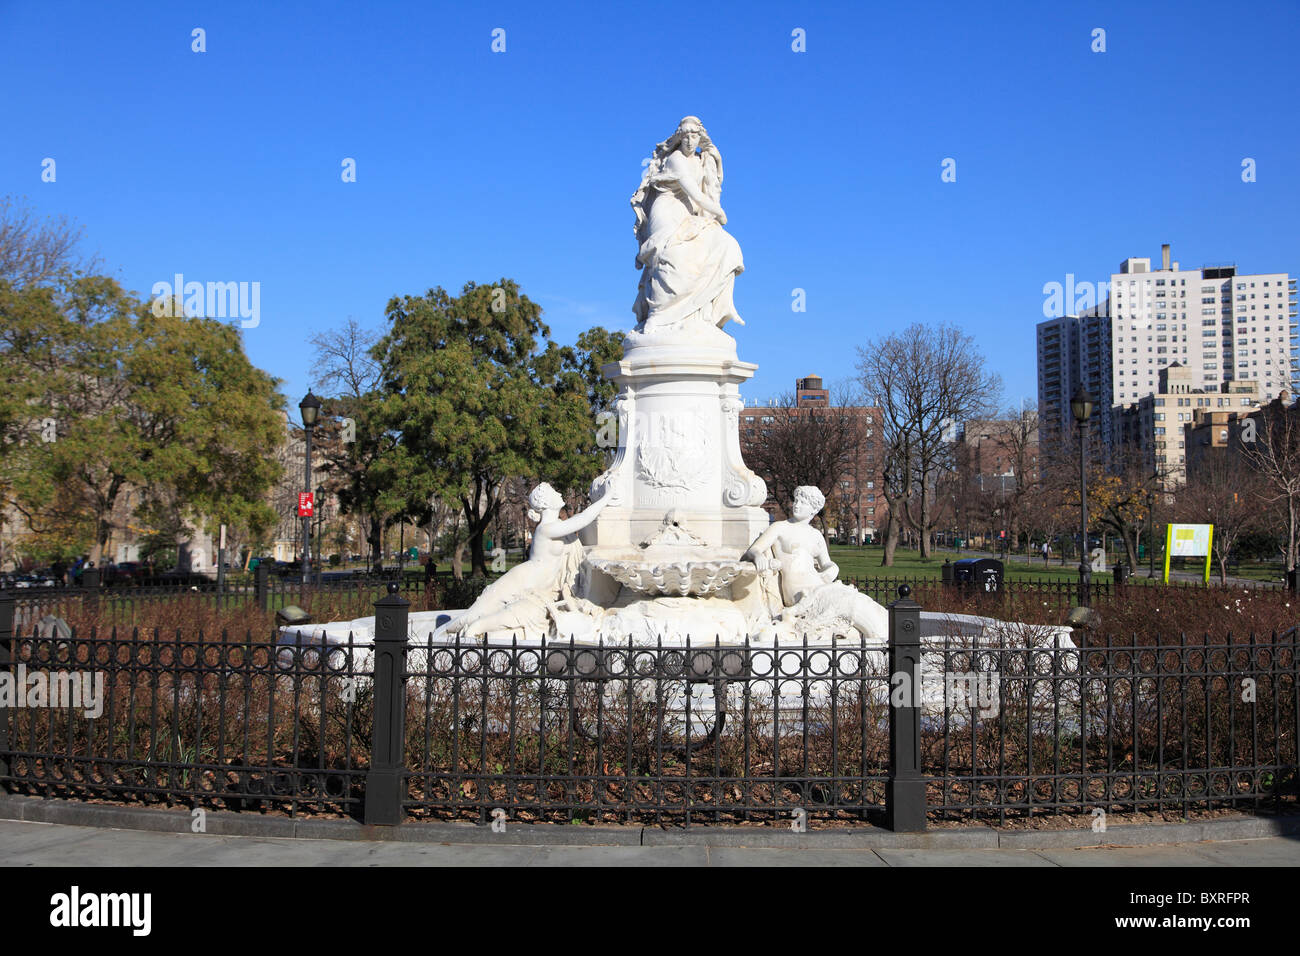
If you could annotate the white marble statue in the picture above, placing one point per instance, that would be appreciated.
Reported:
(527, 597)
(688, 262)
(798, 575)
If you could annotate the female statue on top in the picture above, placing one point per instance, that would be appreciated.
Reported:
(688, 262)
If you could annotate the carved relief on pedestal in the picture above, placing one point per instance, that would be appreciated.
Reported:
(740, 485)
(674, 452)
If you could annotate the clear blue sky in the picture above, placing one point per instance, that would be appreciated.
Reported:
(471, 165)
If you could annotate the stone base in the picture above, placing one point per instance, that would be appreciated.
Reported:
(619, 532)
(679, 449)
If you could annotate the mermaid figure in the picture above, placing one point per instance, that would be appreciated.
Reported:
(526, 597)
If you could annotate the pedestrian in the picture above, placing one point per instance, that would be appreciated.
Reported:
(1046, 550)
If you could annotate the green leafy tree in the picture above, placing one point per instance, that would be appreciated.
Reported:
(166, 409)
(477, 393)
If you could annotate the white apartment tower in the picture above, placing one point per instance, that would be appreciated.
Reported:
(1221, 327)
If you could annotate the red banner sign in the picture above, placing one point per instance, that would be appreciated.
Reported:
(305, 501)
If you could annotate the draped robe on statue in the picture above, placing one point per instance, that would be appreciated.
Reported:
(689, 262)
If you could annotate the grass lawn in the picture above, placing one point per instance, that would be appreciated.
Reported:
(865, 563)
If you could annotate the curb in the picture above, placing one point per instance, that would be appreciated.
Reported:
(865, 837)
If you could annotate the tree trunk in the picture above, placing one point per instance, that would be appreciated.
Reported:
(456, 559)
(477, 559)
(476, 525)
(891, 541)
(1291, 534)
(923, 532)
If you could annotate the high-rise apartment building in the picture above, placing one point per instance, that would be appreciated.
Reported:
(1072, 350)
(1219, 326)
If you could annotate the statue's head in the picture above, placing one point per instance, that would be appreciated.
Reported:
(690, 133)
(808, 500)
(543, 498)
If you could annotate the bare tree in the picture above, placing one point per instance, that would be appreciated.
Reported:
(925, 380)
(1047, 508)
(1271, 448)
(344, 365)
(38, 250)
(804, 446)
(350, 439)
(1226, 497)
(1016, 440)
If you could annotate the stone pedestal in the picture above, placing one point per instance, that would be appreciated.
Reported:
(678, 456)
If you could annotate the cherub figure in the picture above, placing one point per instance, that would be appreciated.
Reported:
(796, 553)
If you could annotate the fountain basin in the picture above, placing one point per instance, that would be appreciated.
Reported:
(681, 577)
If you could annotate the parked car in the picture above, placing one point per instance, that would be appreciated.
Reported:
(32, 580)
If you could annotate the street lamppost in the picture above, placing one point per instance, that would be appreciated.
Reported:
(320, 522)
(1081, 408)
(310, 408)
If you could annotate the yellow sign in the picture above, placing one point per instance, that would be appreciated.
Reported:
(1189, 541)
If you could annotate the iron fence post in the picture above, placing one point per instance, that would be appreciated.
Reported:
(385, 782)
(260, 596)
(905, 787)
(6, 660)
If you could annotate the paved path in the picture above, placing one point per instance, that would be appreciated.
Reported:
(51, 844)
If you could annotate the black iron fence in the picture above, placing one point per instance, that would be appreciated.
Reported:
(929, 591)
(198, 720)
(944, 726)
(259, 590)
(353, 595)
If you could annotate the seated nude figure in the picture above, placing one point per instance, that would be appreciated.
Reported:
(526, 598)
(811, 597)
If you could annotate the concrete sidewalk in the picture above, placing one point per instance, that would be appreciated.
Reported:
(51, 844)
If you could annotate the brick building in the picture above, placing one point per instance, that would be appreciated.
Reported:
(1152, 429)
(1216, 434)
